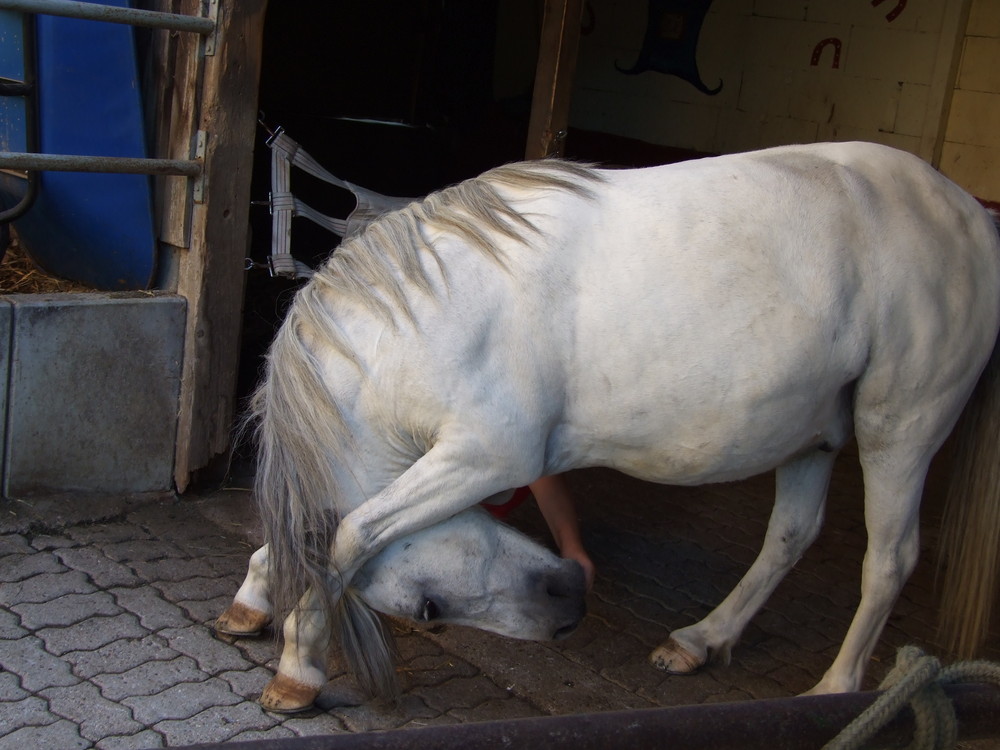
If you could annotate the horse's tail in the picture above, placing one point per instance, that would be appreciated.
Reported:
(970, 532)
(301, 435)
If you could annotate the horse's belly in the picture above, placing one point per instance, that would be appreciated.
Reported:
(710, 444)
(694, 409)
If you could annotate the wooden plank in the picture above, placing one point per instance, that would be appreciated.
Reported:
(210, 272)
(557, 51)
(173, 83)
(949, 53)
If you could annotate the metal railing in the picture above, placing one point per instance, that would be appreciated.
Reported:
(204, 26)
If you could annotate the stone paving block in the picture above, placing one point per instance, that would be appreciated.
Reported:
(52, 542)
(211, 654)
(230, 551)
(145, 740)
(248, 682)
(10, 688)
(14, 544)
(168, 569)
(636, 675)
(684, 690)
(758, 686)
(339, 691)
(198, 587)
(10, 627)
(37, 669)
(30, 711)
(172, 521)
(204, 613)
(311, 726)
(442, 720)
(234, 564)
(181, 701)
(434, 669)
(216, 724)
(66, 610)
(90, 634)
(45, 588)
(497, 710)
(599, 655)
(794, 679)
(262, 649)
(374, 716)
(103, 571)
(120, 656)
(144, 550)
(459, 692)
(96, 716)
(274, 733)
(149, 679)
(153, 611)
(109, 532)
(20, 567)
(60, 734)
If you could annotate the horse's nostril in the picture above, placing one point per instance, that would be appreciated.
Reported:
(566, 584)
(564, 632)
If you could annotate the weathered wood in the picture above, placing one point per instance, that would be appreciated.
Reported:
(211, 274)
(203, 243)
(560, 40)
(173, 87)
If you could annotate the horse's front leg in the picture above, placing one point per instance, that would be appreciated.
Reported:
(251, 610)
(302, 670)
(800, 497)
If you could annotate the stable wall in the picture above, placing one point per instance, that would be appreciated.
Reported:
(813, 70)
(971, 151)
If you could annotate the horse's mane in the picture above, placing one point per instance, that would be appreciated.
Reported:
(375, 266)
(301, 431)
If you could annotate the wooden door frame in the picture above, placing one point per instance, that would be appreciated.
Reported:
(212, 100)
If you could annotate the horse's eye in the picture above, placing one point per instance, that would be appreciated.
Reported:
(430, 611)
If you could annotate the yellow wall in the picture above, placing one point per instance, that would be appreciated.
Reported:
(893, 83)
(971, 151)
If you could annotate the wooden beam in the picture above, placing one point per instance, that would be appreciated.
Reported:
(220, 97)
(557, 51)
(942, 88)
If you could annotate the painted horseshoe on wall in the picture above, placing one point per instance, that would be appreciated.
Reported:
(893, 14)
(818, 50)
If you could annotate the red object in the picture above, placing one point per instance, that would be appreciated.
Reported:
(502, 511)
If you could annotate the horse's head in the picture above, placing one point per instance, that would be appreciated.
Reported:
(473, 570)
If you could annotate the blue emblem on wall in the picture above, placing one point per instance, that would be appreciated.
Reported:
(671, 41)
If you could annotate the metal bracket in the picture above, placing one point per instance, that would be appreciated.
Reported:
(213, 15)
(200, 147)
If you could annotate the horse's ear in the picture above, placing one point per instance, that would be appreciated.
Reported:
(368, 646)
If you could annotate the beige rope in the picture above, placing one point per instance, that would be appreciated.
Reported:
(917, 680)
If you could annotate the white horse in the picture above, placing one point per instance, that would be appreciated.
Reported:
(699, 322)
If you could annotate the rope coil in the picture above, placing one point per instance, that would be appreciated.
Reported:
(917, 680)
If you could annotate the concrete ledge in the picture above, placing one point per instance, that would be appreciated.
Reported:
(92, 392)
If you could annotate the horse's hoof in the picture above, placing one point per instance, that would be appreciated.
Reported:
(673, 658)
(283, 695)
(240, 619)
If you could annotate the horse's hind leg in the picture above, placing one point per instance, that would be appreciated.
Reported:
(251, 609)
(894, 479)
(800, 498)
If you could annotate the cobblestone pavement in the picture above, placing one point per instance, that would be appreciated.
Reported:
(105, 637)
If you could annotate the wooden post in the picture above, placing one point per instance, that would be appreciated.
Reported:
(560, 40)
(209, 103)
